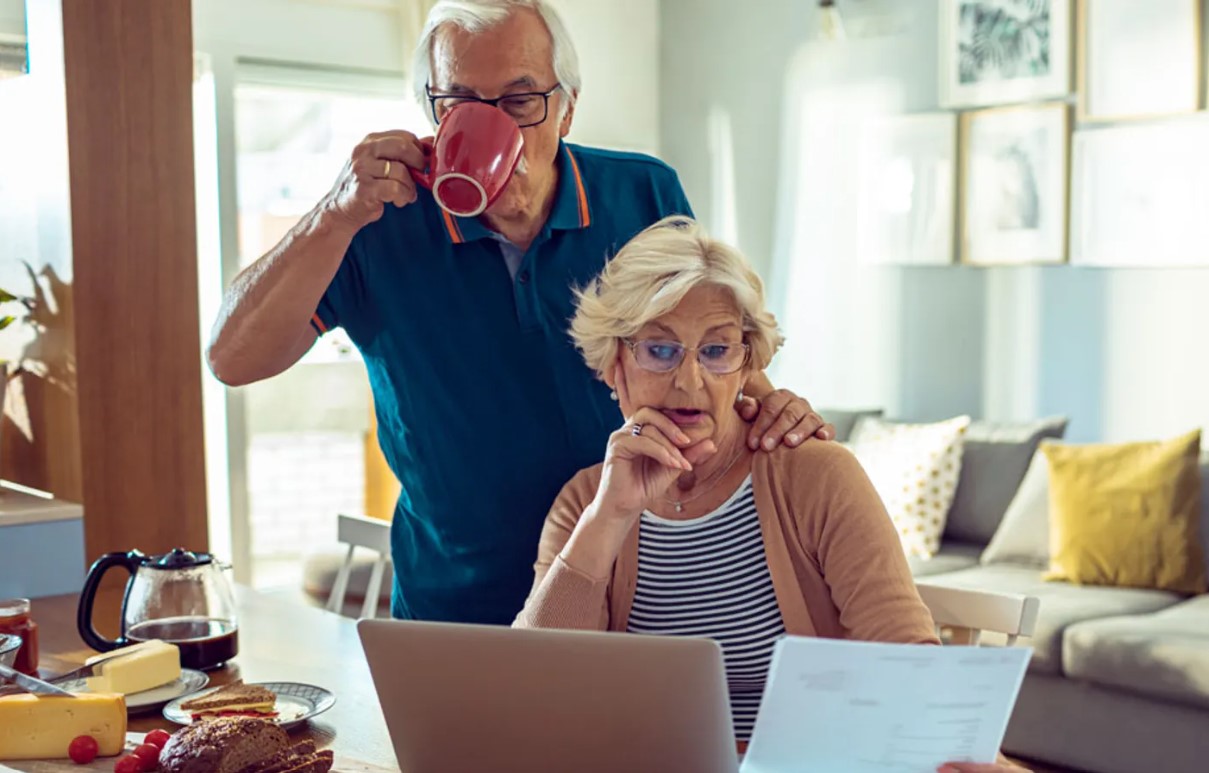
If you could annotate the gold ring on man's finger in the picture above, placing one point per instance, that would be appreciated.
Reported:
(386, 172)
(636, 430)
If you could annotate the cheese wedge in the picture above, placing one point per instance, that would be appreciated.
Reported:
(139, 667)
(33, 728)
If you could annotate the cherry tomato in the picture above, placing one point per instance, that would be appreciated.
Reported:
(129, 764)
(149, 754)
(83, 749)
(158, 738)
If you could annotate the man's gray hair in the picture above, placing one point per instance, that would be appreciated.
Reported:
(479, 15)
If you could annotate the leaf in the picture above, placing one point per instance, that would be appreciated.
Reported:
(6, 321)
(6, 296)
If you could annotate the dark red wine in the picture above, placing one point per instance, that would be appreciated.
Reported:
(204, 642)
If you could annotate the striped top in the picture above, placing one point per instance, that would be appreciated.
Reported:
(708, 577)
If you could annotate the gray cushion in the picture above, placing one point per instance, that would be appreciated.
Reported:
(1163, 655)
(845, 420)
(1023, 534)
(951, 557)
(319, 574)
(996, 456)
(1062, 605)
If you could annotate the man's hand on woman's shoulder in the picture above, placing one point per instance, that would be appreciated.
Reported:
(781, 417)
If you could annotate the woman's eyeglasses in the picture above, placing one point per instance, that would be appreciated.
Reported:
(665, 356)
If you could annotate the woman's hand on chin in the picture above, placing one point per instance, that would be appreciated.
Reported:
(642, 459)
(638, 468)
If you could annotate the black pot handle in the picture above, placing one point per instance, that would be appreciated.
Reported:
(130, 562)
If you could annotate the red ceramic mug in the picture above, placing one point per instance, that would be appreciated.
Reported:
(473, 156)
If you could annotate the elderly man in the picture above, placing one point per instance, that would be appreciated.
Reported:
(484, 407)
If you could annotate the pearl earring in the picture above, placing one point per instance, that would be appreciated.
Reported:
(739, 397)
(613, 396)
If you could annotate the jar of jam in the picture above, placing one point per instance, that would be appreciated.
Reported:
(15, 619)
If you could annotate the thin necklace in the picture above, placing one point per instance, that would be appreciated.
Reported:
(712, 481)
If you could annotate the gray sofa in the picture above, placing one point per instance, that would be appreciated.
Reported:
(1119, 679)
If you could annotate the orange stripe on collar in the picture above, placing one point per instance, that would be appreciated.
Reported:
(585, 216)
(319, 324)
(451, 225)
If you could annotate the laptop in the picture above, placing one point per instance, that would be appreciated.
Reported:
(488, 698)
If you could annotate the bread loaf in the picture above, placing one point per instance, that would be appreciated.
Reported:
(227, 745)
(300, 758)
(319, 762)
(284, 760)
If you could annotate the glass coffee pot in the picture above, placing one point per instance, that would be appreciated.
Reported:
(181, 597)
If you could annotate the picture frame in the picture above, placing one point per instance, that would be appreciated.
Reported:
(997, 52)
(907, 190)
(1138, 61)
(1138, 195)
(1014, 185)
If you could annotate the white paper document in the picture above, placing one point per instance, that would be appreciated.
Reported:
(858, 707)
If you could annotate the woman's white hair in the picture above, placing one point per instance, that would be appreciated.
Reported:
(479, 15)
(651, 275)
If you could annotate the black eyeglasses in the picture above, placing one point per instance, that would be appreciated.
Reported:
(527, 108)
(665, 356)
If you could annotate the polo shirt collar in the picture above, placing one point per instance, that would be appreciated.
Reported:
(570, 210)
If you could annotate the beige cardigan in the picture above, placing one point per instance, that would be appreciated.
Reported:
(836, 562)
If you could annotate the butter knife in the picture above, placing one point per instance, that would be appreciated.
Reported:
(30, 684)
(83, 672)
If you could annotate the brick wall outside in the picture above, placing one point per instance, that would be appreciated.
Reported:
(297, 483)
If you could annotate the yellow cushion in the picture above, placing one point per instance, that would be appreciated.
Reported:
(1127, 515)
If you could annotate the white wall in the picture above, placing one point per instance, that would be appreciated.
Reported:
(618, 45)
(727, 59)
(617, 41)
(1122, 352)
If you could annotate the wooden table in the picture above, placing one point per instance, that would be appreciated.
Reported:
(278, 642)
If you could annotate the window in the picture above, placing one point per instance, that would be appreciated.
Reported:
(305, 433)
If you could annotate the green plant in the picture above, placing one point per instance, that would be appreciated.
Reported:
(6, 298)
(6, 319)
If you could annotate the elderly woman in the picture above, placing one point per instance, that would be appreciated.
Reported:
(683, 530)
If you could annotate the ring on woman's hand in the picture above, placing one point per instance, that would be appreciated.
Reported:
(386, 172)
(636, 430)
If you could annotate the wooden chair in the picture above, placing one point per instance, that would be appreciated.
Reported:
(358, 531)
(962, 615)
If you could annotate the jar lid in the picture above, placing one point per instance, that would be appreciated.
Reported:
(14, 607)
(180, 558)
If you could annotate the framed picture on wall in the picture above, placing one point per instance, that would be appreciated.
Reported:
(1014, 185)
(1138, 59)
(996, 52)
(1139, 196)
(907, 189)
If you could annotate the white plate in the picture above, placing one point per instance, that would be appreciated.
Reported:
(296, 703)
(190, 681)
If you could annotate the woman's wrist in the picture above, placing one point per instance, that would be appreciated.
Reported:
(596, 541)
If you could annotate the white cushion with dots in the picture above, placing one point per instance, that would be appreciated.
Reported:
(914, 468)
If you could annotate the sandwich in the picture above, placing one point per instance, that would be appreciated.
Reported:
(234, 700)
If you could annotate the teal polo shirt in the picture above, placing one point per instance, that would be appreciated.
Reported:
(485, 409)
